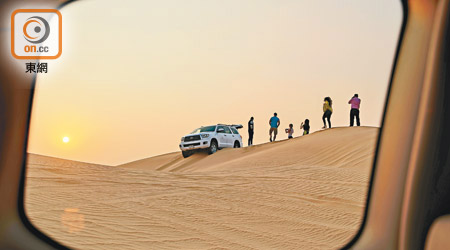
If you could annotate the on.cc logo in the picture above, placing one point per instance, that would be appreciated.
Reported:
(36, 34)
(36, 29)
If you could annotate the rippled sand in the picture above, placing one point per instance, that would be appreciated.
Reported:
(305, 193)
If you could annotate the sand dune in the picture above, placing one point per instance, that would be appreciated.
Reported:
(347, 147)
(305, 193)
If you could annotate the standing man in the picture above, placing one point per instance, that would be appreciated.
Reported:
(274, 123)
(354, 112)
(251, 127)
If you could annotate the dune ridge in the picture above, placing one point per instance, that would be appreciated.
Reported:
(304, 193)
(315, 149)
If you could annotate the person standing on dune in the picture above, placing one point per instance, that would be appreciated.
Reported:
(354, 112)
(274, 123)
(305, 127)
(327, 111)
(251, 127)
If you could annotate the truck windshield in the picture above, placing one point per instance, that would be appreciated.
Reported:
(204, 129)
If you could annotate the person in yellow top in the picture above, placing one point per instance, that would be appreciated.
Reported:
(327, 111)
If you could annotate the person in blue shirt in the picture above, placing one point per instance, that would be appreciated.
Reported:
(274, 123)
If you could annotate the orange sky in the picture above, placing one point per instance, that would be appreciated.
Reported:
(132, 80)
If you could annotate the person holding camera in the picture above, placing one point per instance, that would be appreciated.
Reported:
(355, 102)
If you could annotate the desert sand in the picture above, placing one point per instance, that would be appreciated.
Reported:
(305, 193)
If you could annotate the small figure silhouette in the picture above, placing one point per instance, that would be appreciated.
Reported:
(290, 131)
(305, 127)
(251, 127)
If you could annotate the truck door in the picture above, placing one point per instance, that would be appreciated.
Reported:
(228, 137)
(221, 137)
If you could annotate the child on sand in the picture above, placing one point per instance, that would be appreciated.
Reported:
(290, 131)
(305, 127)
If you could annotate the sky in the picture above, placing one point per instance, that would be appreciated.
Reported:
(136, 76)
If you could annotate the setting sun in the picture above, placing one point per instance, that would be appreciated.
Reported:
(66, 139)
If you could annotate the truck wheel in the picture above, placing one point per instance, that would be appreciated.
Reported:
(186, 154)
(236, 144)
(213, 147)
